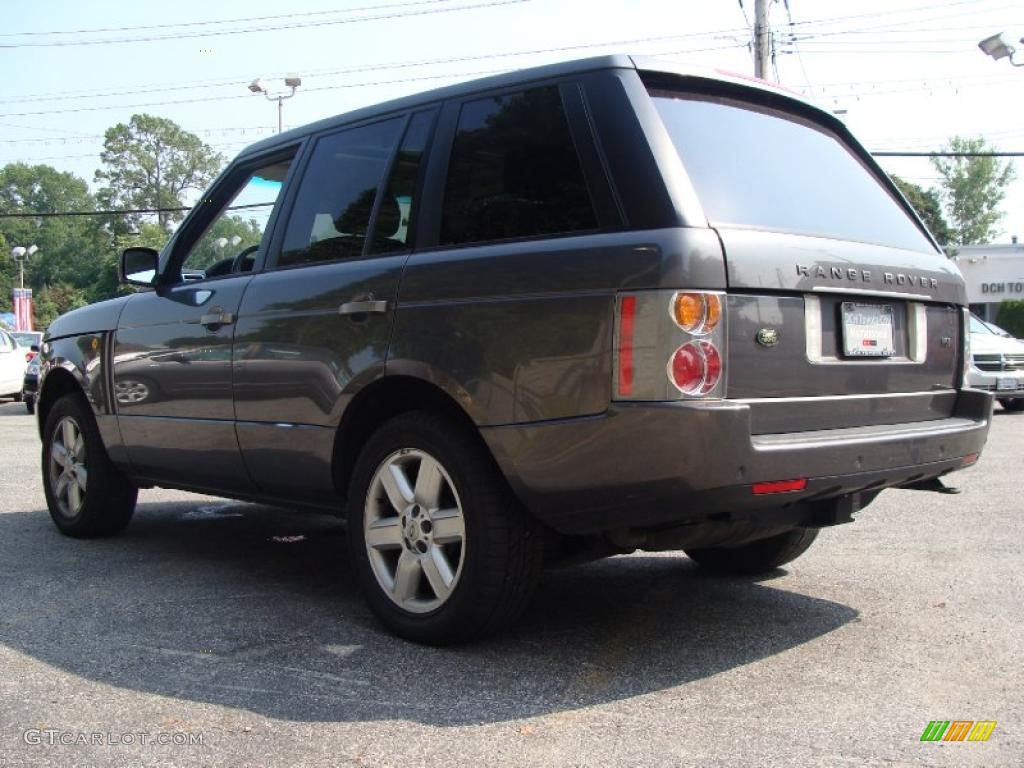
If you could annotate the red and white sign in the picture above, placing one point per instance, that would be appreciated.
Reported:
(23, 309)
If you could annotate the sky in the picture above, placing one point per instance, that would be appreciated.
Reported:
(907, 73)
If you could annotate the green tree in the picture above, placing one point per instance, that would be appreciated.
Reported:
(69, 246)
(973, 188)
(928, 205)
(54, 300)
(152, 162)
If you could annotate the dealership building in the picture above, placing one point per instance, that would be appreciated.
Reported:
(993, 273)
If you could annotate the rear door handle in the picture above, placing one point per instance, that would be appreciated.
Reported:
(363, 306)
(216, 319)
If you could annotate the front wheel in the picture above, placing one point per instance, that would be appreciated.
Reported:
(443, 550)
(1016, 404)
(86, 494)
(757, 556)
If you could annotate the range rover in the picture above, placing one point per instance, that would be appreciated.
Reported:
(578, 310)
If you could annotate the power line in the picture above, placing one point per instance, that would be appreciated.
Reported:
(125, 211)
(948, 154)
(277, 28)
(120, 212)
(217, 21)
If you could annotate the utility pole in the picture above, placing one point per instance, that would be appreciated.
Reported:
(762, 39)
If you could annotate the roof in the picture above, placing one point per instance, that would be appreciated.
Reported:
(521, 76)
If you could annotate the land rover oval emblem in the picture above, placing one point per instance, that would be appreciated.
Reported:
(767, 337)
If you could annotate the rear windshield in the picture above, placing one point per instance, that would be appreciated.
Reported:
(768, 170)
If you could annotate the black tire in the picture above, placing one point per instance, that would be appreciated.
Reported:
(30, 405)
(1016, 404)
(108, 500)
(17, 397)
(503, 545)
(758, 556)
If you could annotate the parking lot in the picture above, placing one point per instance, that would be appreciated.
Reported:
(241, 624)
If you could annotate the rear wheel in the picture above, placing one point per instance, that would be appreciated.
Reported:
(30, 404)
(1017, 404)
(86, 494)
(443, 550)
(757, 556)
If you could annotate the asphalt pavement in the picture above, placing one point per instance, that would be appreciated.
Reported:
(235, 634)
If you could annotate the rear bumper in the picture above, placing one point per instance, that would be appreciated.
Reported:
(657, 464)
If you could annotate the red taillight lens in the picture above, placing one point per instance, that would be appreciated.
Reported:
(780, 486)
(29, 356)
(627, 324)
(695, 368)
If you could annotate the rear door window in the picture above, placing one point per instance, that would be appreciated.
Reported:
(331, 216)
(764, 169)
(394, 216)
(514, 171)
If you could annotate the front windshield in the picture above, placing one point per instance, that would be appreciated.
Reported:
(978, 326)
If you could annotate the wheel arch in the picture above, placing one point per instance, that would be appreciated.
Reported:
(384, 399)
(58, 382)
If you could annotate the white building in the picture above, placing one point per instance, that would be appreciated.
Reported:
(993, 273)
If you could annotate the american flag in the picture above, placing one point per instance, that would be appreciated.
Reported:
(23, 309)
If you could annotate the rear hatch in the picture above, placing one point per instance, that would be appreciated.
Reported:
(838, 298)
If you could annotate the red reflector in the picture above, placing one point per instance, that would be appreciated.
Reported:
(780, 486)
(627, 316)
(969, 459)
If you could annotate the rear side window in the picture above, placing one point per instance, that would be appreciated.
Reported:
(391, 232)
(769, 170)
(331, 215)
(514, 171)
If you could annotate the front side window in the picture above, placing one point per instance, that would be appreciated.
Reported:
(229, 245)
(514, 171)
(770, 170)
(334, 204)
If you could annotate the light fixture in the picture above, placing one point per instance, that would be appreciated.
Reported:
(291, 81)
(256, 87)
(1000, 47)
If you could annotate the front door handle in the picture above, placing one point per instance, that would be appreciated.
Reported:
(216, 318)
(363, 306)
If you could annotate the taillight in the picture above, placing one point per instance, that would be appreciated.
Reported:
(29, 356)
(967, 361)
(695, 368)
(670, 355)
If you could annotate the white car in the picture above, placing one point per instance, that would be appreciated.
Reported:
(12, 366)
(997, 364)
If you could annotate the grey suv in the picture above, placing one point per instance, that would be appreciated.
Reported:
(573, 311)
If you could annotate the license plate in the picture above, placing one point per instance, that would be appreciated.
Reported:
(867, 330)
(1006, 383)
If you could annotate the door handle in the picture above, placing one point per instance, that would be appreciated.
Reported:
(216, 319)
(363, 306)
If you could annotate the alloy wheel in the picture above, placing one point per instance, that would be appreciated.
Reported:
(415, 530)
(68, 473)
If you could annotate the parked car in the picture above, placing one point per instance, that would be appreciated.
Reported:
(30, 385)
(12, 366)
(997, 363)
(29, 341)
(577, 310)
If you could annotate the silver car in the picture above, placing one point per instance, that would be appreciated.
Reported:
(997, 364)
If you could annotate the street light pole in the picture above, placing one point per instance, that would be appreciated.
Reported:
(19, 253)
(291, 81)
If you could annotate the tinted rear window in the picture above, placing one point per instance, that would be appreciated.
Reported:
(514, 172)
(768, 170)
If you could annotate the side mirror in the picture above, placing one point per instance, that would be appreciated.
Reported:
(138, 266)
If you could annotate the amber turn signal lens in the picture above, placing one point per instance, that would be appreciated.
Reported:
(688, 311)
(712, 311)
(696, 313)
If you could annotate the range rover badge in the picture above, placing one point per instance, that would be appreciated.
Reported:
(767, 337)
